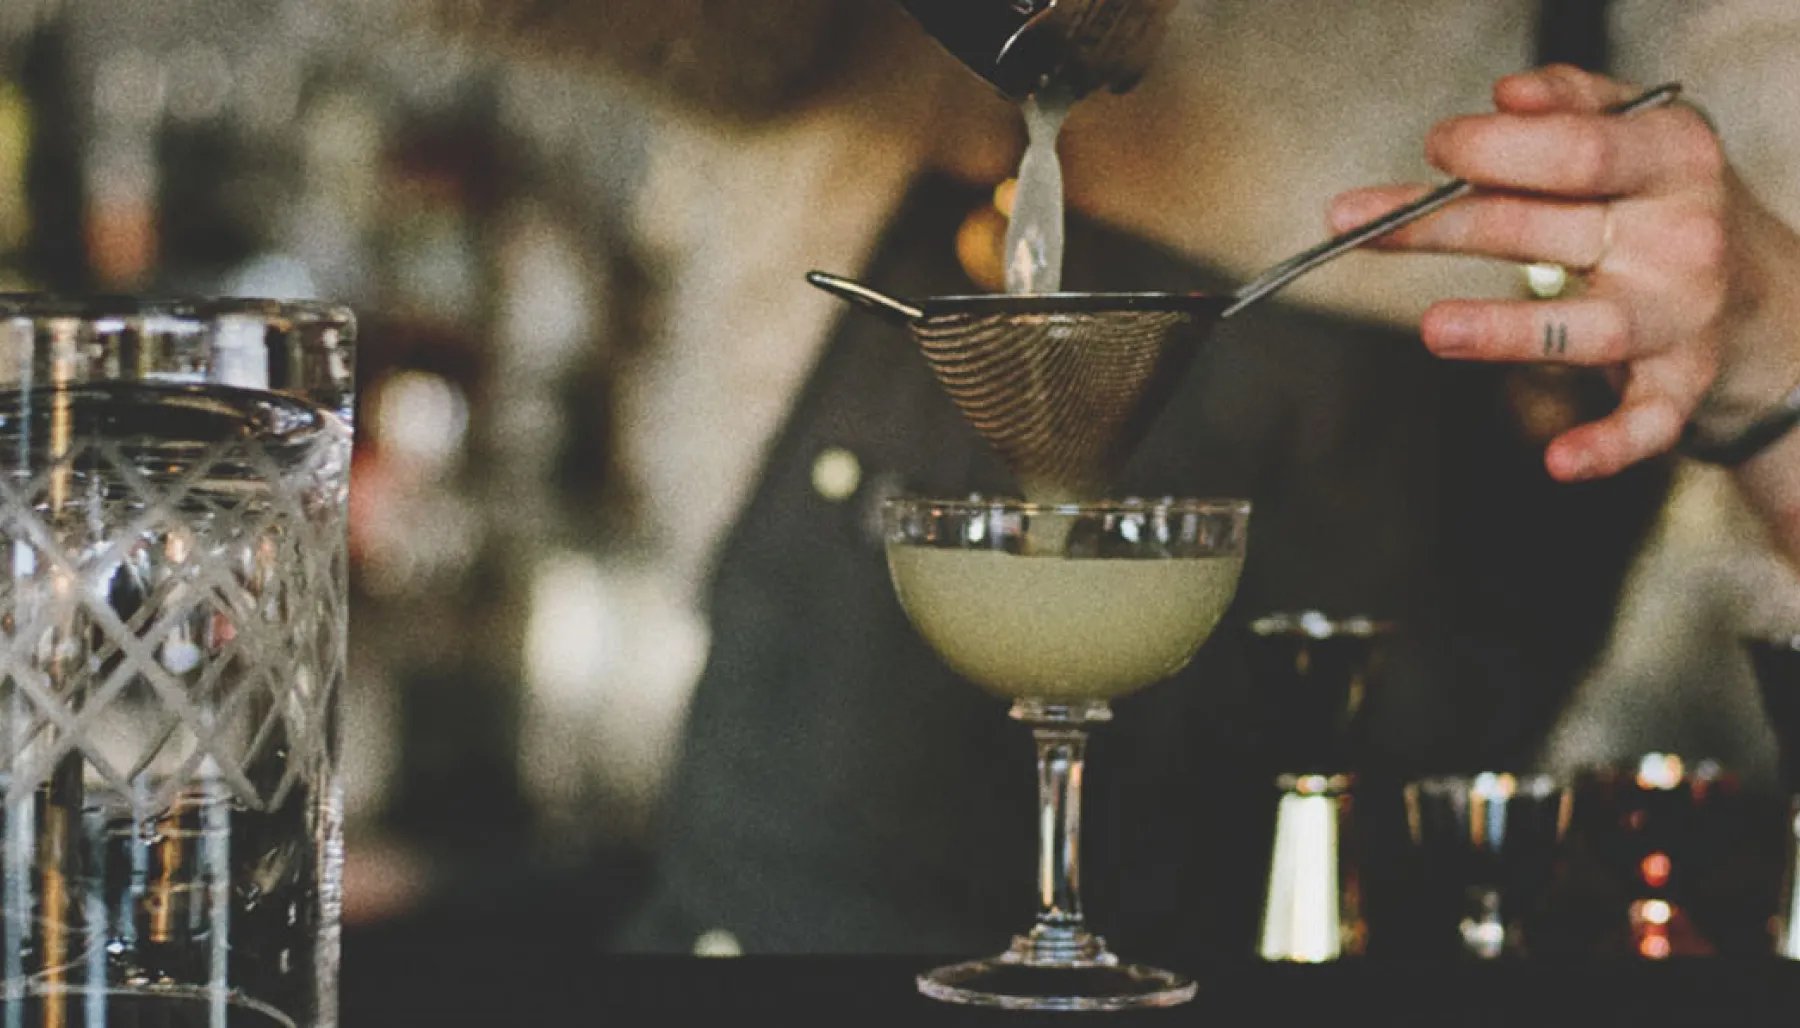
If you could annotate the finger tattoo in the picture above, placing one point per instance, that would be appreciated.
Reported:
(1556, 339)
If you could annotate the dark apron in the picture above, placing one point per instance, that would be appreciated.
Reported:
(840, 790)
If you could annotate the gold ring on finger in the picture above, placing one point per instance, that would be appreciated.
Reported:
(1548, 280)
(1604, 249)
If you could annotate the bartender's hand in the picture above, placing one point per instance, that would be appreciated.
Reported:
(1690, 291)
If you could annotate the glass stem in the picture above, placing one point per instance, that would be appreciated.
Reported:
(1061, 751)
(1060, 934)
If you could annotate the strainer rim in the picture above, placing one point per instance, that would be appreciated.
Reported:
(1072, 303)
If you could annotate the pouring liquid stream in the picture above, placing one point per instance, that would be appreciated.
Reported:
(1034, 232)
(1034, 258)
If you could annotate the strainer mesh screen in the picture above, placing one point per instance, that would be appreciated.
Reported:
(1063, 397)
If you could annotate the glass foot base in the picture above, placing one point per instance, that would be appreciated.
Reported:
(1104, 984)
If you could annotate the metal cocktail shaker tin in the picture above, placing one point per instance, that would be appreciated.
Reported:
(1023, 46)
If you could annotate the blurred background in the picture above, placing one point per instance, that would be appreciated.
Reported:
(516, 678)
(525, 623)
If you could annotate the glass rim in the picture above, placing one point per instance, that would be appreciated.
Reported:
(1099, 304)
(1493, 784)
(1087, 507)
(193, 309)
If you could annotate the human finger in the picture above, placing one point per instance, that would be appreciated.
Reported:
(1644, 425)
(1577, 154)
(1559, 87)
(1506, 226)
(1588, 331)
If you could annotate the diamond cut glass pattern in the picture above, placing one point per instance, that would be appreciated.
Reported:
(205, 626)
(173, 626)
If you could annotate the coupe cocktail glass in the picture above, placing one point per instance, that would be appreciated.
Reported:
(1062, 609)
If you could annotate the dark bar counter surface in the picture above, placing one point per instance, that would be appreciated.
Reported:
(504, 971)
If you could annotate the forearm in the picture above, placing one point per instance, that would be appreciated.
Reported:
(1771, 483)
(1761, 367)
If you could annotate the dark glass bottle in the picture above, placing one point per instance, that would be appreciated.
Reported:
(50, 255)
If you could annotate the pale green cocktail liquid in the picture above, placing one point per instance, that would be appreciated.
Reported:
(1057, 629)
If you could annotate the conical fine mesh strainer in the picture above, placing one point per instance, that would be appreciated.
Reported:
(1063, 387)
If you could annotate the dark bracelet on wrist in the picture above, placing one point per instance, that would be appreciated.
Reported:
(1759, 436)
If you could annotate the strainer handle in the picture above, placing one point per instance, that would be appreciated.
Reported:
(1301, 263)
(890, 307)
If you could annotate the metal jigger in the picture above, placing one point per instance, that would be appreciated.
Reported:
(1666, 825)
(1494, 838)
(1312, 911)
(1777, 664)
(1313, 674)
